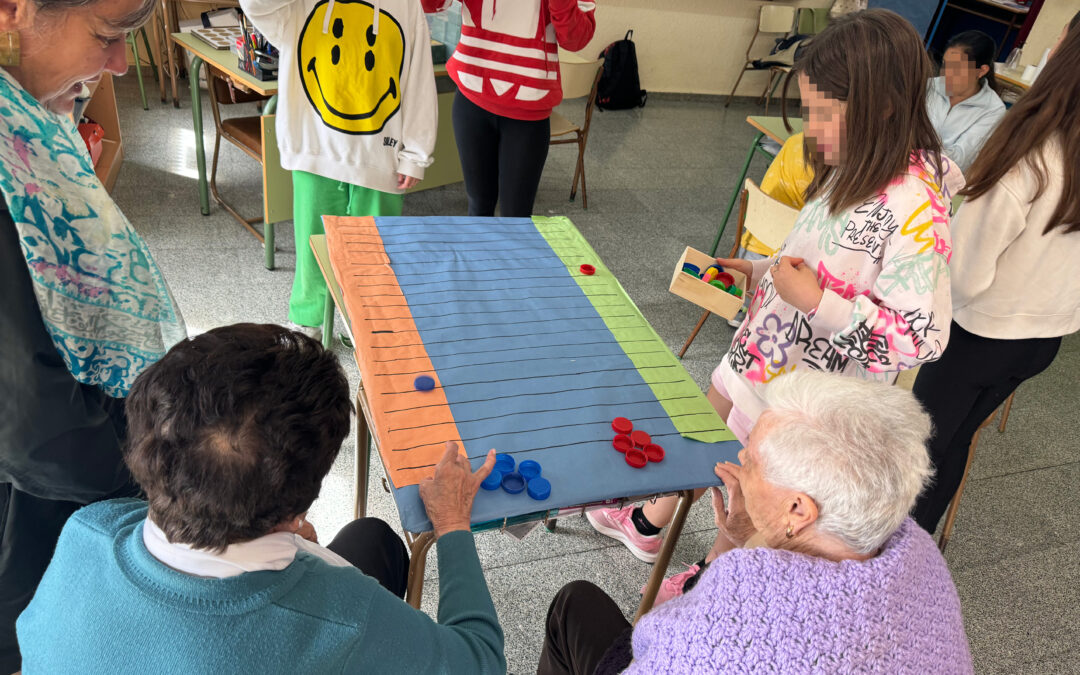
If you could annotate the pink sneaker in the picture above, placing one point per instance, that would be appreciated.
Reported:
(616, 524)
(672, 587)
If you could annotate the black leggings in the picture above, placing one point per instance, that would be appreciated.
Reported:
(376, 550)
(586, 633)
(972, 378)
(502, 159)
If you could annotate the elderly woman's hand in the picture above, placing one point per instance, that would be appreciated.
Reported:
(731, 520)
(448, 497)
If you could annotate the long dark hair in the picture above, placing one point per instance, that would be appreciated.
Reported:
(980, 48)
(1047, 111)
(875, 61)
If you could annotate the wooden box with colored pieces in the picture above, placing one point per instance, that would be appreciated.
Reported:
(533, 348)
(689, 281)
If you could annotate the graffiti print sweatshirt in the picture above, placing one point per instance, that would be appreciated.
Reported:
(883, 267)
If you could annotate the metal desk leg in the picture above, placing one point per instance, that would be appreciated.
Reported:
(268, 245)
(735, 193)
(363, 459)
(268, 228)
(328, 321)
(686, 500)
(196, 122)
(419, 545)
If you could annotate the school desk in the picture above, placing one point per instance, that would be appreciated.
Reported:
(774, 129)
(277, 183)
(529, 355)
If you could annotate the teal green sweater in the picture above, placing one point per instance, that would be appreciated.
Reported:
(106, 605)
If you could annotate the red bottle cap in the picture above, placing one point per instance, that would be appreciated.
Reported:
(640, 438)
(654, 452)
(623, 443)
(726, 278)
(621, 425)
(636, 458)
(588, 269)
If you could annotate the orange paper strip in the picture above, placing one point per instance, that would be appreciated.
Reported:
(412, 426)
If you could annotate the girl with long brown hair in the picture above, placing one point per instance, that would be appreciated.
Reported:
(1015, 288)
(860, 287)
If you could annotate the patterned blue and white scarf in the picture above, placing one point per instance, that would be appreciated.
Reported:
(102, 297)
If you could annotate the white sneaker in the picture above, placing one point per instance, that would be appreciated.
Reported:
(313, 332)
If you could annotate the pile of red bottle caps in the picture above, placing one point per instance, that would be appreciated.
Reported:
(636, 445)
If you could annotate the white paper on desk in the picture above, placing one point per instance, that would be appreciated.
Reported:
(222, 17)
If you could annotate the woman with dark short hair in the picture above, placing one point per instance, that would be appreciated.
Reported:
(963, 104)
(85, 308)
(232, 433)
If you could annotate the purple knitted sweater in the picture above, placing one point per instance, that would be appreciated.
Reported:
(770, 611)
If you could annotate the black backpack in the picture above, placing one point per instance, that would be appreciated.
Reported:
(620, 87)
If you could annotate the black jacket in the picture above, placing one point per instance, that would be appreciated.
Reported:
(59, 439)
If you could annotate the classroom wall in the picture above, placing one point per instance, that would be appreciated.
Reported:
(688, 46)
(1053, 16)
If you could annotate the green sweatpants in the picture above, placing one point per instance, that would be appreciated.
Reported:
(313, 198)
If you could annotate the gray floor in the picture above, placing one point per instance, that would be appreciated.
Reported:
(659, 178)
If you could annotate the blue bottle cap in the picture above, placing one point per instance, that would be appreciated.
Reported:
(493, 481)
(424, 383)
(513, 483)
(504, 463)
(529, 469)
(539, 488)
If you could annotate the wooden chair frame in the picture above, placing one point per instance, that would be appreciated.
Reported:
(581, 138)
(221, 132)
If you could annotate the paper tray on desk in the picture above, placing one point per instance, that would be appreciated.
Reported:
(703, 295)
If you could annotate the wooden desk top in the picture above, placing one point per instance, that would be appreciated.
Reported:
(225, 61)
(1010, 76)
(773, 127)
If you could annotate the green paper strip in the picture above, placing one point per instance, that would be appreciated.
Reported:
(693, 416)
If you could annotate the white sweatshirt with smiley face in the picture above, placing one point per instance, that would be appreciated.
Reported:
(357, 100)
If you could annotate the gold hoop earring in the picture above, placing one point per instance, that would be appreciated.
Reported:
(9, 48)
(789, 534)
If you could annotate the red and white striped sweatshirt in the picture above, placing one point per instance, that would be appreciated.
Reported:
(507, 61)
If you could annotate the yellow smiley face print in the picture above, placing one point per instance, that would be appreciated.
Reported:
(351, 73)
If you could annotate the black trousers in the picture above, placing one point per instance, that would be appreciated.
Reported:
(29, 528)
(376, 550)
(502, 159)
(973, 377)
(586, 633)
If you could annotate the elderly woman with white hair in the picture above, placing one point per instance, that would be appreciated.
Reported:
(816, 566)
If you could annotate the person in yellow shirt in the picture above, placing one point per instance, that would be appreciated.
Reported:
(786, 182)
